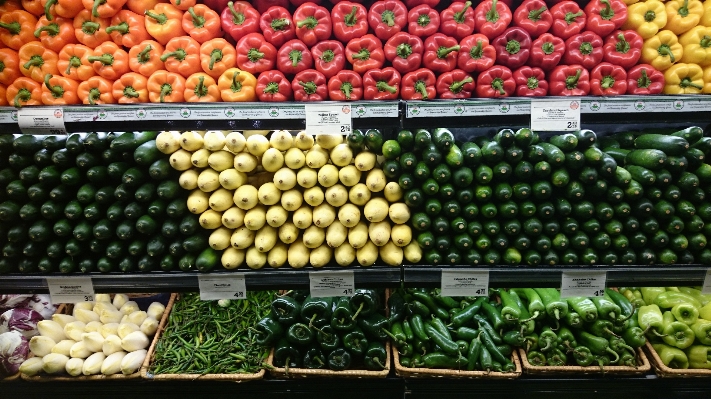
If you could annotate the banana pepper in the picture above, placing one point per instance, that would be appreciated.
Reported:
(697, 46)
(237, 86)
(672, 357)
(647, 18)
(96, 90)
(682, 15)
(662, 50)
(699, 357)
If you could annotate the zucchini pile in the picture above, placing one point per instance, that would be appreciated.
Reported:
(630, 198)
(92, 202)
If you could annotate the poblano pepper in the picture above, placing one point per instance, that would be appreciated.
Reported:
(268, 331)
(397, 304)
(355, 342)
(699, 356)
(364, 302)
(286, 310)
(702, 331)
(286, 354)
(676, 333)
(374, 326)
(342, 317)
(314, 359)
(375, 356)
(339, 359)
(327, 339)
(313, 309)
(685, 313)
(671, 357)
(650, 319)
(299, 334)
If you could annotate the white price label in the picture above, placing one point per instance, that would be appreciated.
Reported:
(223, 287)
(326, 284)
(558, 116)
(70, 289)
(582, 283)
(465, 283)
(328, 118)
(43, 120)
(706, 289)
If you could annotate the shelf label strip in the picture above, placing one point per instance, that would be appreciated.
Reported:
(327, 284)
(223, 287)
(70, 289)
(582, 283)
(41, 120)
(465, 283)
(555, 116)
(334, 119)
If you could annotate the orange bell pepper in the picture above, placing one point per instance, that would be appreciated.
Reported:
(24, 91)
(55, 34)
(103, 8)
(217, 56)
(96, 90)
(10, 5)
(145, 57)
(182, 55)
(3, 95)
(131, 88)
(164, 22)
(201, 23)
(91, 31)
(141, 6)
(237, 86)
(33, 7)
(201, 88)
(183, 4)
(37, 61)
(74, 62)
(58, 90)
(128, 29)
(61, 8)
(166, 87)
(109, 61)
(9, 66)
(17, 28)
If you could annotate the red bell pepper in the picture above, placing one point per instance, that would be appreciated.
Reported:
(299, 3)
(476, 54)
(277, 26)
(416, 3)
(345, 86)
(492, 17)
(273, 86)
(381, 84)
(404, 51)
(496, 81)
(239, 19)
(608, 80)
(264, 5)
(418, 85)
(623, 47)
(387, 17)
(294, 57)
(546, 52)
(569, 80)
(455, 84)
(513, 48)
(365, 53)
(644, 79)
(350, 20)
(441, 53)
(310, 85)
(605, 16)
(530, 82)
(534, 17)
(313, 23)
(423, 21)
(329, 57)
(457, 20)
(568, 19)
(254, 54)
(584, 49)
(215, 5)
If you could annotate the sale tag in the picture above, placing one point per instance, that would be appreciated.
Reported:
(328, 119)
(556, 116)
(465, 283)
(224, 287)
(582, 283)
(706, 289)
(44, 120)
(326, 284)
(70, 289)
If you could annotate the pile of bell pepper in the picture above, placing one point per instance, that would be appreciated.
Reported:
(677, 321)
(335, 333)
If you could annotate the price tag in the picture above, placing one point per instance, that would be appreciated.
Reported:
(223, 287)
(583, 283)
(44, 120)
(325, 284)
(465, 283)
(558, 116)
(706, 289)
(70, 289)
(328, 118)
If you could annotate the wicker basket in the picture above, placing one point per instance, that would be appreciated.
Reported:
(67, 310)
(408, 372)
(668, 372)
(643, 367)
(10, 378)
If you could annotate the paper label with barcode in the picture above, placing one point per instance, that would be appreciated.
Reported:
(328, 119)
(555, 116)
(43, 120)
(327, 284)
(70, 289)
(465, 283)
(224, 287)
(582, 283)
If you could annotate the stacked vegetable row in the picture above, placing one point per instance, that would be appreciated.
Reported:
(295, 200)
(335, 333)
(92, 202)
(516, 199)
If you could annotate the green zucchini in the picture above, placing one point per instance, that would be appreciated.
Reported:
(669, 144)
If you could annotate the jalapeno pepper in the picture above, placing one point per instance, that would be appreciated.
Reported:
(397, 334)
(514, 338)
(446, 345)
(460, 318)
(474, 353)
(418, 328)
(417, 360)
(439, 325)
(466, 333)
(584, 307)
(407, 330)
(484, 325)
(619, 345)
(445, 301)
(493, 350)
(428, 301)
(493, 315)
(439, 360)
(420, 346)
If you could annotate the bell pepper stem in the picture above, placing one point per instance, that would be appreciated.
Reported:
(121, 28)
(51, 29)
(456, 87)
(571, 17)
(295, 57)
(606, 83)
(548, 48)
(160, 18)
(165, 90)
(421, 88)
(74, 62)
(459, 16)
(279, 24)
(130, 92)
(535, 15)
(271, 88)
(622, 46)
(403, 50)
(571, 82)
(347, 89)
(607, 13)
(23, 95)
(311, 321)
(309, 22)
(513, 46)
(423, 20)
(13, 27)
(318, 360)
(477, 51)
(665, 50)
(237, 17)
(362, 55)
(498, 84)
(106, 59)
(684, 9)
(359, 307)
(200, 89)
(35, 60)
(705, 42)
(650, 16)
(94, 95)
(90, 27)
(57, 91)
(383, 86)
(378, 362)
(442, 52)
(350, 19)
(145, 54)
(236, 85)
(254, 55)
(388, 17)
(94, 9)
(687, 82)
(492, 15)
(328, 56)
(47, 8)
(586, 48)
(532, 83)
(215, 56)
(643, 82)
(198, 20)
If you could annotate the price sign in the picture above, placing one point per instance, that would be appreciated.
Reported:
(706, 289)
(328, 118)
(224, 287)
(557, 116)
(326, 284)
(44, 120)
(465, 283)
(70, 289)
(582, 283)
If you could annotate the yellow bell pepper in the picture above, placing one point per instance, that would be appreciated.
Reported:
(707, 80)
(630, 2)
(682, 15)
(697, 46)
(684, 79)
(706, 18)
(662, 50)
(646, 18)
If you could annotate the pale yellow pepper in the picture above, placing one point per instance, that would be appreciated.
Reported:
(707, 82)
(647, 18)
(684, 79)
(682, 15)
(662, 50)
(706, 18)
(697, 46)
